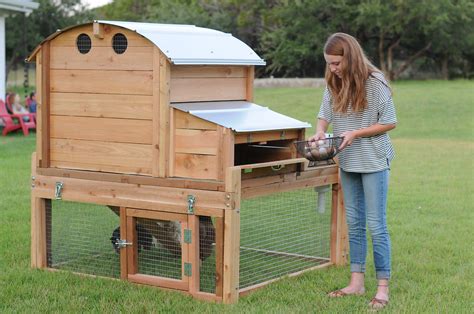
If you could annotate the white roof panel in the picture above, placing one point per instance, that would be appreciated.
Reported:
(241, 116)
(188, 44)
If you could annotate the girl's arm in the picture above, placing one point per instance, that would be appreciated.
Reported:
(350, 136)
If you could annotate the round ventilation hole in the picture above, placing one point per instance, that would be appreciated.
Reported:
(119, 43)
(83, 43)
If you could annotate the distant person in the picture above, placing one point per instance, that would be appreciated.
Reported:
(18, 108)
(358, 102)
(32, 102)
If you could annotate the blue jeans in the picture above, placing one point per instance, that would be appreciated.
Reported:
(365, 200)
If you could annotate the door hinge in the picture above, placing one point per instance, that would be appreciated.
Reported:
(188, 269)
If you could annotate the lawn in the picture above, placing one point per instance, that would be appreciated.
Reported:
(430, 216)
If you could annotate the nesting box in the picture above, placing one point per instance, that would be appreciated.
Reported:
(154, 165)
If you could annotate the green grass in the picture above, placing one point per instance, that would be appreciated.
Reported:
(430, 216)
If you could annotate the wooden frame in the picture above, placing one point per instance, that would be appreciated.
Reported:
(169, 203)
(107, 132)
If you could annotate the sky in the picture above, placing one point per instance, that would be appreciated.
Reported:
(95, 3)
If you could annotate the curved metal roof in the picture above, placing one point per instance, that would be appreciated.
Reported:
(189, 44)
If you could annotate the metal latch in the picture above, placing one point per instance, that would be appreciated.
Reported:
(191, 201)
(188, 269)
(58, 190)
(122, 243)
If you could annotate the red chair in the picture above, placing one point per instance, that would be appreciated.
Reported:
(15, 121)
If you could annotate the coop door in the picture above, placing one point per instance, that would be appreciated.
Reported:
(154, 248)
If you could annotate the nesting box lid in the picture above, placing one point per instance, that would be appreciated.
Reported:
(186, 44)
(241, 116)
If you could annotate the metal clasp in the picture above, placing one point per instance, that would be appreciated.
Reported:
(191, 201)
(58, 190)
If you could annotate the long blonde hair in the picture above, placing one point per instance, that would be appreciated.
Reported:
(356, 68)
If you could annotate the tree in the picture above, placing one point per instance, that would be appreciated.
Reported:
(296, 31)
(24, 33)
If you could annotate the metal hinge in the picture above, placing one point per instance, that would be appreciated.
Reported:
(121, 243)
(188, 269)
(58, 190)
(191, 201)
(187, 236)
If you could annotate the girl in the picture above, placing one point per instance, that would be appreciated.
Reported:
(358, 102)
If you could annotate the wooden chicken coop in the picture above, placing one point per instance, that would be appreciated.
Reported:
(154, 165)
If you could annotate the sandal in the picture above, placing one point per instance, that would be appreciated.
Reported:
(378, 304)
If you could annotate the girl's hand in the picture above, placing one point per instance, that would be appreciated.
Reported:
(348, 137)
(316, 137)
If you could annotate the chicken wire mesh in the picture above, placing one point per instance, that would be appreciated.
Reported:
(84, 238)
(207, 255)
(78, 238)
(283, 233)
(159, 250)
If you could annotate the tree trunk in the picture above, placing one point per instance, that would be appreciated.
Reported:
(383, 67)
(390, 58)
(410, 60)
(444, 68)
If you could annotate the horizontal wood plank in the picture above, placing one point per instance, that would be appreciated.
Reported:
(196, 166)
(254, 137)
(201, 71)
(207, 89)
(149, 214)
(102, 82)
(184, 183)
(196, 142)
(101, 169)
(102, 105)
(69, 37)
(159, 281)
(167, 199)
(184, 120)
(255, 191)
(101, 129)
(113, 156)
(102, 58)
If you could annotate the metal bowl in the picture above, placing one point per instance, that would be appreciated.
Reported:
(321, 150)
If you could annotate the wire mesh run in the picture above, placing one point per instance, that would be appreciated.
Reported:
(283, 233)
(159, 250)
(207, 256)
(78, 238)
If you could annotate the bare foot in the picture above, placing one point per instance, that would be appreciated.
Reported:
(347, 291)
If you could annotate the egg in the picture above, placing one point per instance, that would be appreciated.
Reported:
(321, 142)
(315, 153)
(312, 144)
(323, 153)
(308, 155)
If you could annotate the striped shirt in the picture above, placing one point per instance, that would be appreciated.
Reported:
(366, 154)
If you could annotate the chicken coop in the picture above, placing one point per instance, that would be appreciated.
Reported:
(154, 165)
